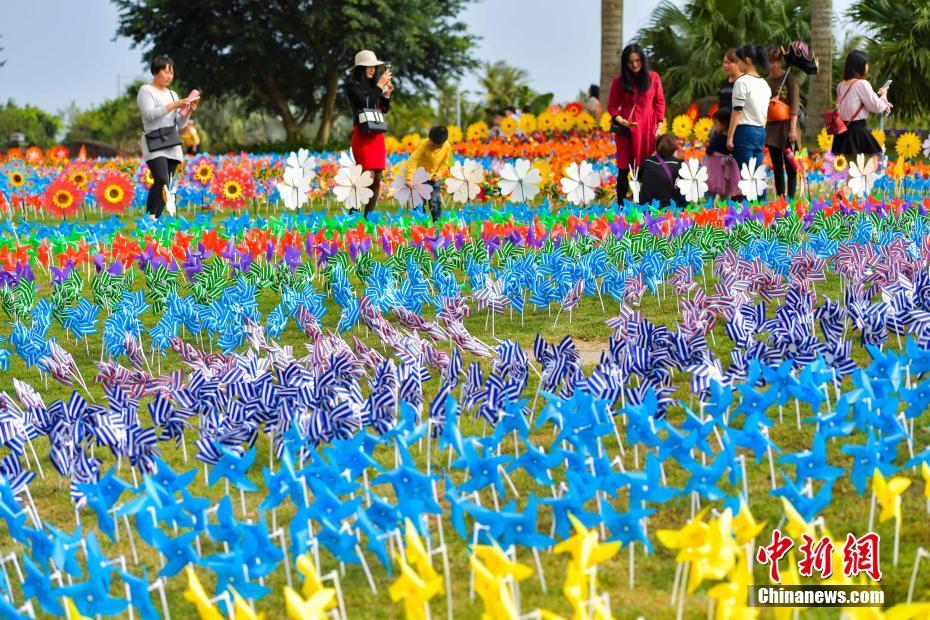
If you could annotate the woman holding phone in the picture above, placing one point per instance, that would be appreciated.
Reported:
(855, 100)
(163, 115)
(366, 90)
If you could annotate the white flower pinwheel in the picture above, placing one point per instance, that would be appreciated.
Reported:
(752, 180)
(580, 183)
(862, 174)
(926, 147)
(520, 181)
(294, 187)
(352, 186)
(303, 161)
(346, 158)
(635, 185)
(171, 202)
(414, 196)
(692, 180)
(465, 179)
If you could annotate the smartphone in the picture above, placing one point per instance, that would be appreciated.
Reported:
(193, 94)
(388, 65)
(886, 84)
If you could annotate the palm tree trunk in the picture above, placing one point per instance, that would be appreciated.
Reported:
(821, 89)
(611, 42)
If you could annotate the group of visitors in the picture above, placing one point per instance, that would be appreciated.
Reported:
(754, 114)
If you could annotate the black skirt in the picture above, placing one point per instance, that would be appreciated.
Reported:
(856, 139)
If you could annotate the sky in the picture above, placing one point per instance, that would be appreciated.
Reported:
(63, 51)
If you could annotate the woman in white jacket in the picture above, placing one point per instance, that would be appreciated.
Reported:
(160, 108)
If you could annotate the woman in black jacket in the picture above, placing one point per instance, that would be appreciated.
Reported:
(366, 90)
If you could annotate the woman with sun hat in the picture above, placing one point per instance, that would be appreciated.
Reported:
(366, 90)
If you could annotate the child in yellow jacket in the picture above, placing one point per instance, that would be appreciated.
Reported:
(434, 156)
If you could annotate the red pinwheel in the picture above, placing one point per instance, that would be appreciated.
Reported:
(63, 198)
(114, 191)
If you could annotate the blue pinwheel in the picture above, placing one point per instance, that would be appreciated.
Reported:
(646, 485)
(535, 462)
(38, 586)
(140, 598)
(813, 463)
(627, 527)
(866, 459)
(92, 597)
(484, 470)
(808, 507)
(102, 497)
(704, 479)
(178, 552)
(233, 467)
(511, 527)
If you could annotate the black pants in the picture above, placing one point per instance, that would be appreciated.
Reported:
(623, 185)
(376, 188)
(779, 168)
(162, 168)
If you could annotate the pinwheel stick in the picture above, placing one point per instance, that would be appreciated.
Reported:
(921, 554)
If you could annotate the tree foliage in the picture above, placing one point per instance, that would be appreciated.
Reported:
(39, 127)
(115, 122)
(686, 43)
(505, 85)
(898, 35)
(290, 56)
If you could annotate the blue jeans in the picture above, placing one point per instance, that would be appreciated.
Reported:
(435, 202)
(749, 142)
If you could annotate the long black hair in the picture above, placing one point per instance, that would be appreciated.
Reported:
(639, 81)
(358, 74)
(755, 54)
(856, 64)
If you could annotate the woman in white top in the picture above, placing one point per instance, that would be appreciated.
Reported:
(855, 99)
(751, 94)
(160, 108)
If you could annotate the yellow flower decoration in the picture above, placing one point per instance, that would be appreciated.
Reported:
(605, 121)
(682, 127)
(908, 145)
(477, 131)
(17, 179)
(840, 163)
(527, 123)
(824, 140)
(508, 125)
(545, 172)
(232, 189)
(879, 136)
(584, 122)
(899, 170)
(702, 129)
(114, 194)
(546, 122)
(565, 121)
(391, 143)
(455, 134)
(410, 141)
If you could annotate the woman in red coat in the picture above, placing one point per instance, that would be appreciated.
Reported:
(637, 104)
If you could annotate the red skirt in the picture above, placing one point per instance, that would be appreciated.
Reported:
(368, 149)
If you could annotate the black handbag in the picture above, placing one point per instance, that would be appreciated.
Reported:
(162, 138)
(617, 128)
(371, 120)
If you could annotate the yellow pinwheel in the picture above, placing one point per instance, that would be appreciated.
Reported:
(494, 593)
(313, 584)
(196, 595)
(415, 590)
(499, 565)
(789, 577)
(584, 547)
(888, 493)
(313, 608)
(717, 556)
(416, 551)
(908, 611)
(745, 526)
(796, 523)
(241, 608)
(689, 538)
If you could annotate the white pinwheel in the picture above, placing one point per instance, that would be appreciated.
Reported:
(171, 193)
(580, 183)
(862, 174)
(926, 147)
(692, 180)
(414, 196)
(635, 185)
(752, 180)
(346, 158)
(465, 179)
(520, 181)
(305, 162)
(294, 187)
(352, 186)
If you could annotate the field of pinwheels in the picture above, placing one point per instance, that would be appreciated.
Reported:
(544, 404)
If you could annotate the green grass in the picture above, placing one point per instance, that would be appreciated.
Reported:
(654, 574)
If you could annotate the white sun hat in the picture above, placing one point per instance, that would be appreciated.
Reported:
(366, 58)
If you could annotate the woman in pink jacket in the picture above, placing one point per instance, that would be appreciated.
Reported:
(637, 106)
